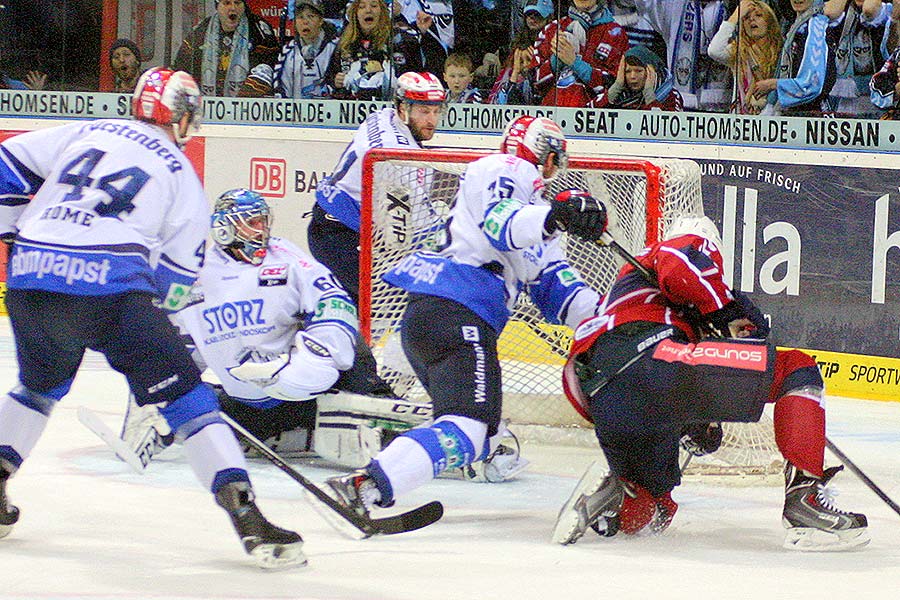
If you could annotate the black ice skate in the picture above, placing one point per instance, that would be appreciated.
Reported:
(595, 503)
(271, 546)
(9, 514)
(356, 491)
(813, 524)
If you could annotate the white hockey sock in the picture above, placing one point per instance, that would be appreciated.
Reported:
(406, 464)
(20, 426)
(212, 450)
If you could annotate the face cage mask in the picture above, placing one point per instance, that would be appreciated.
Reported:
(247, 249)
(186, 105)
(557, 147)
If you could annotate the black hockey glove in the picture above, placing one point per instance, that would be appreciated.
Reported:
(753, 314)
(700, 439)
(577, 213)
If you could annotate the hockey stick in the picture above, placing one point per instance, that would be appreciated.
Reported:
(92, 421)
(409, 521)
(608, 240)
(863, 477)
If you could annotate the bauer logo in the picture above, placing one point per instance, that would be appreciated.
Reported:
(268, 176)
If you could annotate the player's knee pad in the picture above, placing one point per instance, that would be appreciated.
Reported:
(794, 369)
(352, 428)
(451, 441)
(192, 412)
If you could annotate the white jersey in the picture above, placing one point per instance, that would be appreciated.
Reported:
(339, 193)
(117, 207)
(496, 248)
(241, 308)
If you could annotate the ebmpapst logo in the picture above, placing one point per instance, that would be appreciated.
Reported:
(268, 176)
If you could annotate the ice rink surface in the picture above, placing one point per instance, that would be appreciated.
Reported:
(91, 528)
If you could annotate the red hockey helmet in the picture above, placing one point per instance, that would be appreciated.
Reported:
(420, 88)
(533, 139)
(163, 96)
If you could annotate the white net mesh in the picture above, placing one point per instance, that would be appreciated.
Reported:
(409, 195)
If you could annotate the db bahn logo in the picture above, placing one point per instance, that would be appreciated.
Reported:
(268, 176)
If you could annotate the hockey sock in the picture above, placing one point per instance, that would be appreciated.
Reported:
(800, 430)
(422, 453)
(23, 417)
(640, 509)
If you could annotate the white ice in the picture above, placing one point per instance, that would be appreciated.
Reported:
(91, 528)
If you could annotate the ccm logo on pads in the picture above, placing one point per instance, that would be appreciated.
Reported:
(719, 354)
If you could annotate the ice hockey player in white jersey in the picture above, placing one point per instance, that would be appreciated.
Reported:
(110, 225)
(502, 238)
(333, 234)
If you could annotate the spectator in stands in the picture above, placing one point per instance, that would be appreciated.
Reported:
(443, 23)
(885, 87)
(864, 28)
(34, 80)
(458, 75)
(806, 68)
(752, 54)
(577, 57)
(637, 27)
(704, 84)
(222, 50)
(414, 46)
(302, 63)
(360, 66)
(125, 63)
(642, 83)
(514, 83)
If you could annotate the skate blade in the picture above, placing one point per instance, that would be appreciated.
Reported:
(569, 523)
(279, 556)
(5, 530)
(809, 539)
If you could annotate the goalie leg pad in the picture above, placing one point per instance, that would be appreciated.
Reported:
(352, 428)
(502, 459)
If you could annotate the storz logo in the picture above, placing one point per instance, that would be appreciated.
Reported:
(268, 176)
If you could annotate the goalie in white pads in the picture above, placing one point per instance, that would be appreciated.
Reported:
(277, 330)
(503, 238)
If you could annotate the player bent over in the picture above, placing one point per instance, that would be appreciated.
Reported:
(117, 221)
(503, 238)
(644, 372)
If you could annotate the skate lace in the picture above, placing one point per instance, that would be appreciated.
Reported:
(826, 497)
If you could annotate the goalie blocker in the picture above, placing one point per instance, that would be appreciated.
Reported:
(345, 428)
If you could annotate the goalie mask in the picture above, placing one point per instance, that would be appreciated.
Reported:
(533, 139)
(241, 222)
(701, 226)
(164, 97)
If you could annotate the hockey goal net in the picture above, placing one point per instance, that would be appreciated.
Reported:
(407, 195)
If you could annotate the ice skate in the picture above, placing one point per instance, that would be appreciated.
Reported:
(356, 491)
(813, 524)
(595, 503)
(272, 547)
(9, 514)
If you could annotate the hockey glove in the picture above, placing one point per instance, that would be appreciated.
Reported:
(760, 329)
(700, 439)
(255, 368)
(577, 213)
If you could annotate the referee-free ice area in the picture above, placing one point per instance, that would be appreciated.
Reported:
(91, 528)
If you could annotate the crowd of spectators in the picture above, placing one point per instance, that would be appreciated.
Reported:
(773, 57)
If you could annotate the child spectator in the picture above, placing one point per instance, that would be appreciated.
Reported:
(458, 75)
(514, 83)
(361, 68)
(642, 83)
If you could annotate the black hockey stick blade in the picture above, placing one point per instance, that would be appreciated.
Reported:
(862, 476)
(416, 518)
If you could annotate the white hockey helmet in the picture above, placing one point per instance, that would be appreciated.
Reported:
(419, 88)
(533, 139)
(163, 96)
(699, 225)
(241, 224)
